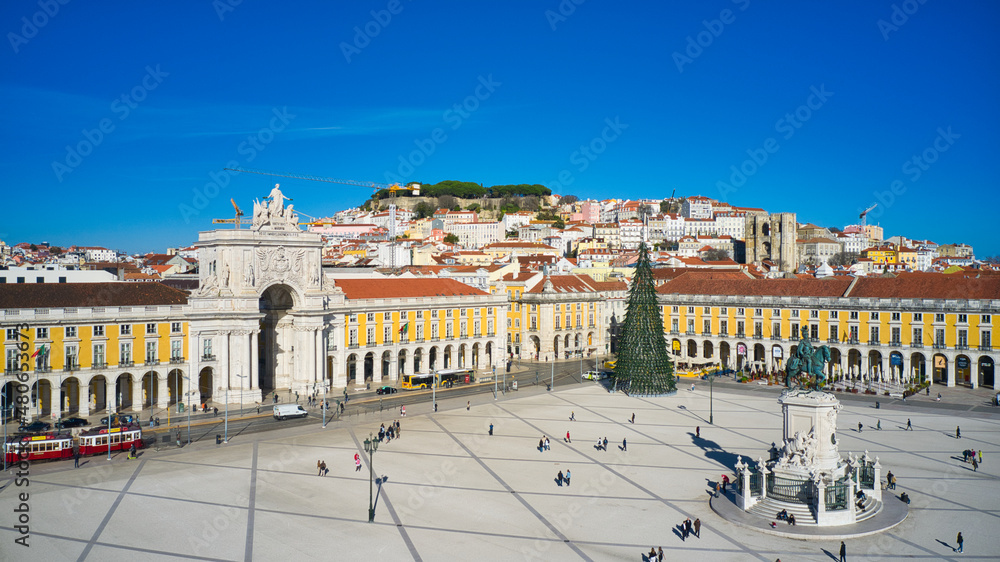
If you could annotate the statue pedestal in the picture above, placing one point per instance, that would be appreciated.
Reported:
(810, 422)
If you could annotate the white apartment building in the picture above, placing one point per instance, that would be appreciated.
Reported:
(731, 223)
(631, 233)
(700, 227)
(513, 221)
(697, 207)
(50, 273)
(476, 234)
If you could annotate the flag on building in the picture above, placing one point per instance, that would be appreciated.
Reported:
(39, 351)
(405, 328)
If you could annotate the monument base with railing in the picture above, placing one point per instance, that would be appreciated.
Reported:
(808, 479)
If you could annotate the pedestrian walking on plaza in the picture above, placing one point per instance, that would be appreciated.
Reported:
(403, 409)
(958, 432)
(909, 426)
(76, 458)
(322, 469)
(843, 552)
(572, 416)
(652, 554)
(559, 478)
(491, 429)
(624, 444)
(178, 438)
(697, 432)
(718, 488)
(878, 426)
(468, 404)
(980, 456)
(725, 482)
(541, 444)
(697, 528)
(605, 443)
(318, 469)
(961, 542)
(975, 465)
(216, 410)
(296, 397)
(258, 407)
(659, 554)
(566, 478)
(684, 530)
(633, 418)
(859, 427)
(687, 527)
(568, 440)
(547, 445)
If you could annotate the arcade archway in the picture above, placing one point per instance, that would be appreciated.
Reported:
(274, 344)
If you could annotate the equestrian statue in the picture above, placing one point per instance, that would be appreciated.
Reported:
(808, 361)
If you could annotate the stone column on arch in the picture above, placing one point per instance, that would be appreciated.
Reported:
(254, 369)
(84, 399)
(223, 363)
(110, 396)
(55, 398)
(137, 401)
(162, 393)
(319, 376)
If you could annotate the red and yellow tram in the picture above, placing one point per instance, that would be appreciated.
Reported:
(54, 445)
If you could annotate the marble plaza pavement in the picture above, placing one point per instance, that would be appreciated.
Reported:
(452, 492)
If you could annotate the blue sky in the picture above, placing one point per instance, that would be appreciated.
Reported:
(816, 108)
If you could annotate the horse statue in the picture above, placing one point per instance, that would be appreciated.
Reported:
(807, 360)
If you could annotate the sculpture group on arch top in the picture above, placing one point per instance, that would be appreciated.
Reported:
(267, 264)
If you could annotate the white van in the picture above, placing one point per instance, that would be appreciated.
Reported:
(284, 411)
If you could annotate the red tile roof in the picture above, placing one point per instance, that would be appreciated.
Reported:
(928, 286)
(70, 295)
(696, 284)
(404, 288)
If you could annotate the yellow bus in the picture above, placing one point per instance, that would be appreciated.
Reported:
(420, 380)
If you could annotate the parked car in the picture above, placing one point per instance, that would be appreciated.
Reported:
(591, 375)
(121, 419)
(72, 422)
(35, 427)
(385, 390)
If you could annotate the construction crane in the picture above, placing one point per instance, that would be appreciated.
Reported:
(864, 215)
(235, 220)
(377, 187)
(391, 188)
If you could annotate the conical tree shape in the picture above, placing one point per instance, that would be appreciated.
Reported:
(643, 367)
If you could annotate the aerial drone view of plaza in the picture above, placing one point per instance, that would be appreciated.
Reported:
(567, 280)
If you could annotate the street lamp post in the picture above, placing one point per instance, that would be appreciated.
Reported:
(241, 377)
(3, 420)
(226, 440)
(711, 398)
(371, 445)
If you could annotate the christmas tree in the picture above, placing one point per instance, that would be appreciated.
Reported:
(643, 367)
